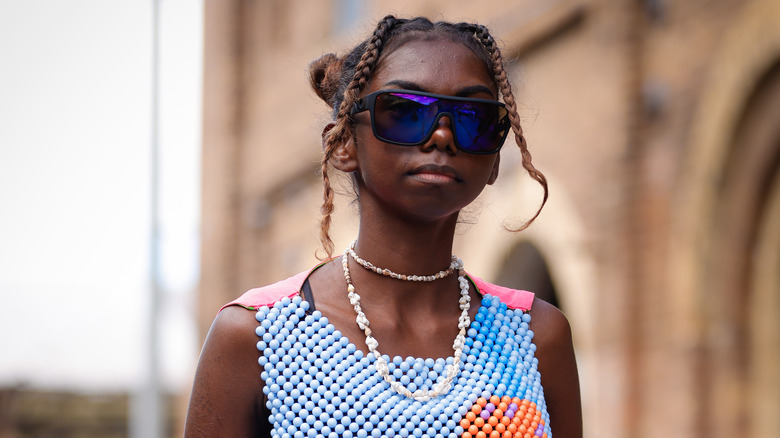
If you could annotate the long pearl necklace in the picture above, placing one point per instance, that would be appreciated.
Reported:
(382, 367)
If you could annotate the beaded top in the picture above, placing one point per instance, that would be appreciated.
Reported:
(317, 383)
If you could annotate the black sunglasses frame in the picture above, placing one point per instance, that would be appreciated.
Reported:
(368, 102)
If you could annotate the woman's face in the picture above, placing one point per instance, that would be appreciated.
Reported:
(433, 180)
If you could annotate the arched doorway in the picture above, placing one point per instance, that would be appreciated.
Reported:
(525, 268)
(748, 227)
(740, 289)
(724, 267)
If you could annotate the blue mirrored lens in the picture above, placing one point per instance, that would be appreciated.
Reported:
(409, 119)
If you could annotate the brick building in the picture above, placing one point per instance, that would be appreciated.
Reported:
(657, 124)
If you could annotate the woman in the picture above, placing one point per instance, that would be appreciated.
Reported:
(362, 345)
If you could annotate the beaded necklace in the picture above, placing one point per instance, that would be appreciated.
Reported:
(388, 273)
(382, 368)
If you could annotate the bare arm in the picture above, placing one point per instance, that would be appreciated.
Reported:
(555, 351)
(227, 394)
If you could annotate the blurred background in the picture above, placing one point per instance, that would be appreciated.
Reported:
(159, 158)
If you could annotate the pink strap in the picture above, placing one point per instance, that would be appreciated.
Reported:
(268, 295)
(513, 298)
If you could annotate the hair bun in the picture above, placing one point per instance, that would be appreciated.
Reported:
(324, 76)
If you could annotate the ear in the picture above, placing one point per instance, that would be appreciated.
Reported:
(344, 157)
(494, 173)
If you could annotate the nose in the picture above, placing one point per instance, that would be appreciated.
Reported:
(442, 137)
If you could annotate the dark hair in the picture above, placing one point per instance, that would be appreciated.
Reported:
(340, 80)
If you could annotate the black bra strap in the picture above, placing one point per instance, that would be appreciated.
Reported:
(308, 296)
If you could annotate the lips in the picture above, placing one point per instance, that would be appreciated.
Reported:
(436, 173)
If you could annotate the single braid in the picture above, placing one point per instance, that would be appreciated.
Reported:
(499, 73)
(342, 128)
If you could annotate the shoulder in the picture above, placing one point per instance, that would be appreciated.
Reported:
(226, 393)
(558, 367)
(550, 326)
(226, 341)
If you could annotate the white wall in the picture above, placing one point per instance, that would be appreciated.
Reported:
(75, 140)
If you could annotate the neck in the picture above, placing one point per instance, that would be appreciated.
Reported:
(417, 249)
(411, 249)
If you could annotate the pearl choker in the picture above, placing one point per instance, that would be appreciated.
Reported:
(382, 368)
(388, 273)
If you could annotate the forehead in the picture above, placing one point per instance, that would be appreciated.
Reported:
(437, 65)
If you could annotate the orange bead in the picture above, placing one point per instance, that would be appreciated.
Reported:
(495, 400)
(506, 421)
(464, 423)
(534, 425)
(517, 401)
(479, 422)
(526, 422)
(518, 435)
(533, 405)
(522, 429)
(480, 434)
(498, 413)
(503, 406)
(487, 428)
(466, 435)
(526, 403)
(517, 420)
(506, 400)
(507, 434)
(495, 434)
(482, 402)
(492, 421)
(511, 427)
(473, 430)
(476, 409)
(471, 416)
(500, 428)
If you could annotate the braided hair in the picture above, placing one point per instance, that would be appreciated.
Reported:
(340, 80)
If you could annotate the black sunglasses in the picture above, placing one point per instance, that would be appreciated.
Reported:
(408, 118)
